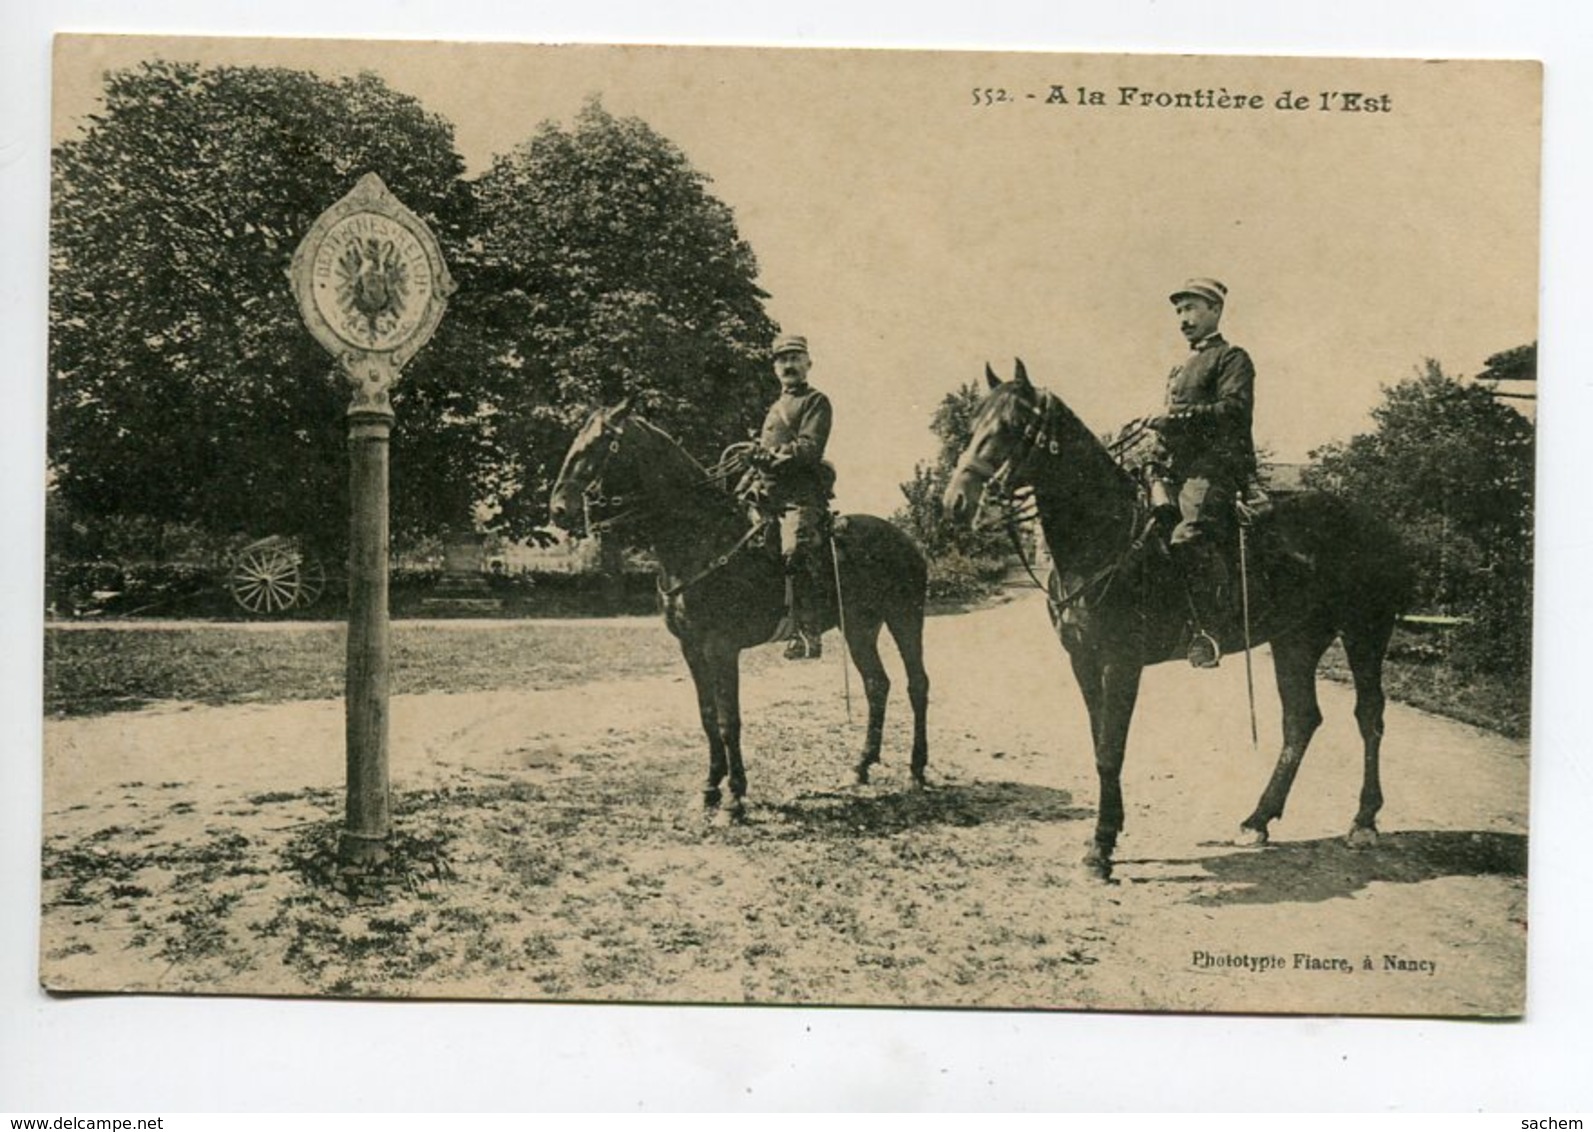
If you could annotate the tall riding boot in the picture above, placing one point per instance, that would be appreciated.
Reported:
(799, 604)
(795, 649)
(1206, 582)
(810, 621)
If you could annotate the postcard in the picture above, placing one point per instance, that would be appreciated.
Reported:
(764, 526)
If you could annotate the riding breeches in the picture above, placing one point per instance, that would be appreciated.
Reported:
(800, 530)
(1205, 507)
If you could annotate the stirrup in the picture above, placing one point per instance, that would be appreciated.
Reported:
(1204, 652)
(803, 647)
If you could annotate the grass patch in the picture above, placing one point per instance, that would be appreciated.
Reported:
(95, 671)
(1498, 703)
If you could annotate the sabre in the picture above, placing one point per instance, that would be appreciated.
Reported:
(840, 617)
(1244, 602)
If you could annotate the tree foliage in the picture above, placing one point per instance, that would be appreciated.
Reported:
(921, 517)
(614, 272)
(185, 392)
(184, 386)
(1452, 470)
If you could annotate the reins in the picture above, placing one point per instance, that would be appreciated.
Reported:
(714, 566)
(1142, 521)
(592, 496)
(1041, 441)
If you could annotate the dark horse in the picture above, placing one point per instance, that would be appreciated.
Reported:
(1318, 569)
(723, 592)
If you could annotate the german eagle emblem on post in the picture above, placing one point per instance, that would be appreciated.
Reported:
(372, 282)
(371, 285)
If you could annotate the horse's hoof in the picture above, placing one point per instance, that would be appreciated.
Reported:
(1361, 837)
(1098, 867)
(737, 812)
(862, 774)
(918, 780)
(1098, 861)
(1249, 838)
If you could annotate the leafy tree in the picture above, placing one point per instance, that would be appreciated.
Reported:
(613, 272)
(184, 387)
(1452, 470)
(952, 423)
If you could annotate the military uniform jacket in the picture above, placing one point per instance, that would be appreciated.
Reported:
(795, 431)
(1210, 401)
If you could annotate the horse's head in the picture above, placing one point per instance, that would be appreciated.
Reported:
(590, 467)
(1006, 433)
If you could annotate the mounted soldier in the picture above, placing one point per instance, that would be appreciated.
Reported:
(1205, 429)
(795, 485)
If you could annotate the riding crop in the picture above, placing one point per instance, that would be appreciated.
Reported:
(1244, 605)
(840, 617)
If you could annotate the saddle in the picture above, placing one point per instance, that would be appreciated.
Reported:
(1205, 574)
(767, 490)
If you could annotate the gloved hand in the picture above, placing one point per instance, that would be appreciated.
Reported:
(1172, 418)
(734, 460)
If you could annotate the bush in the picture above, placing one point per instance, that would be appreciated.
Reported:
(1450, 468)
(958, 576)
(185, 589)
(536, 594)
(1498, 641)
(100, 586)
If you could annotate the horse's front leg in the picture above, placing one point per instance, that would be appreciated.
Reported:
(1117, 690)
(724, 662)
(702, 677)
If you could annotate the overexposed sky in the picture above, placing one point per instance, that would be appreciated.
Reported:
(913, 230)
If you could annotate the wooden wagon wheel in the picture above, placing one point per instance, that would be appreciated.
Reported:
(273, 575)
(312, 581)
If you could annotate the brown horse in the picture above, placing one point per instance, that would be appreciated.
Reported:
(723, 591)
(1318, 568)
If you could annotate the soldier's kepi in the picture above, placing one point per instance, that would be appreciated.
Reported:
(1206, 430)
(791, 454)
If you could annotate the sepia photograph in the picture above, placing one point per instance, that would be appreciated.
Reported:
(644, 402)
(993, 533)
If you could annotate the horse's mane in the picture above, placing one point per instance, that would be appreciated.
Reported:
(668, 460)
(1014, 405)
(687, 460)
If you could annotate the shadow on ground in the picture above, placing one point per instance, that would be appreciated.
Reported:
(1327, 869)
(845, 813)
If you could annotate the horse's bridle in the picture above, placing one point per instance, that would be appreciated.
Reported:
(998, 482)
(593, 498)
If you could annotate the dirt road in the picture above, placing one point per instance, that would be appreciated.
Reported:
(555, 850)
